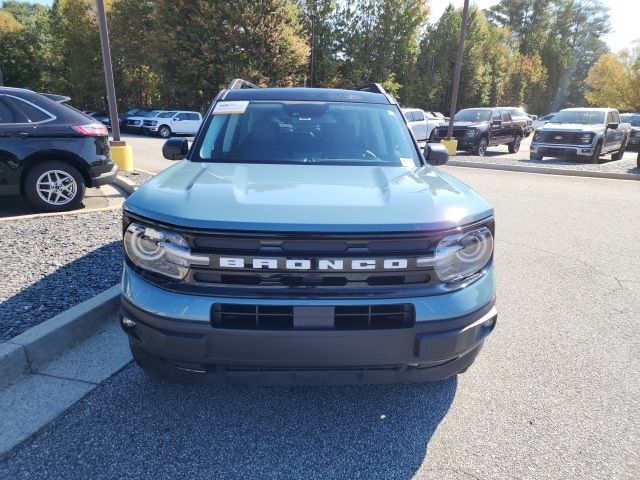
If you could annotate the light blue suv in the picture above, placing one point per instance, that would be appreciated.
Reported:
(304, 238)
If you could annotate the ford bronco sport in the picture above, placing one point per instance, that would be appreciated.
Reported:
(304, 238)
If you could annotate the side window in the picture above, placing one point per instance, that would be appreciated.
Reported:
(193, 116)
(495, 115)
(609, 117)
(419, 116)
(616, 117)
(7, 114)
(409, 116)
(180, 116)
(505, 117)
(33, 114)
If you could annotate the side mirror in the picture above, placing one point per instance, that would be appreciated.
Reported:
(496, 123)
(175, 148)
(613, 126)
(436, 154)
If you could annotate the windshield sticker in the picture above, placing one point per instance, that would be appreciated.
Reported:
(225, 108)
(406, 162)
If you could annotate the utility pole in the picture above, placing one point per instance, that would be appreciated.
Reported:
(458, 68)
(121, 153)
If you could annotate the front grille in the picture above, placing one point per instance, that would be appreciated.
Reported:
(284, 317)
(231, 271)
(457, 132)
(561, 138)
(133, 122)
(312, 248)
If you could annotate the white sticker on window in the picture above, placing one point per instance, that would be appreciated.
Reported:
(226, 108)
(407, 162)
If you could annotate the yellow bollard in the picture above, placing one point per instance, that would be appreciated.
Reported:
(450, 145)
(122, 155)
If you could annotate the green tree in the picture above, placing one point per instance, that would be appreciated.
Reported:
(76, 56)
(25, 45)
(134, 47)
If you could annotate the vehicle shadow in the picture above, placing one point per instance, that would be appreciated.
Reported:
(371, 431)
(72, 283)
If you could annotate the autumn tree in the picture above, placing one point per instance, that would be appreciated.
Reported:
(614, 81)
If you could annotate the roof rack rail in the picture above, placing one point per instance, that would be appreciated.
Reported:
(371, 87)
(239, 83)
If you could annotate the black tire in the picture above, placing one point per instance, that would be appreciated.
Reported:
(481, 147)
(66, 186)
(620, 153)
(515, 145)
(595, 157)
(164, 131)
(535, 156)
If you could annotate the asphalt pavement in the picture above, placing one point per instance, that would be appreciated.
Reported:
(554, 393)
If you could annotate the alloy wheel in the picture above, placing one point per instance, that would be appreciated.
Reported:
(56, 187)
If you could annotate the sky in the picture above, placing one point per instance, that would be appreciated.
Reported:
(624, 18)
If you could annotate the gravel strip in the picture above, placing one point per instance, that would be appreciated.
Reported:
(51, 264)
(501, 156)
(136, 176)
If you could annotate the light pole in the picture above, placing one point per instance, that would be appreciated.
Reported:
(456, 74)
(120, 152)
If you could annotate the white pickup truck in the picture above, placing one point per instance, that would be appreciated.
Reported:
(586, 133)
(421, 123)
(176, 121)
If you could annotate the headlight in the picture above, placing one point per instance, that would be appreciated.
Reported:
(471, 133)
(160, 251)
(436, 132)
(586, 138)
(635, 133)
(536, 136)
(460, 255)
(153, 123)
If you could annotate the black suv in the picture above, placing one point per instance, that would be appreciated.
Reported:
(50, 152)
(478, 128)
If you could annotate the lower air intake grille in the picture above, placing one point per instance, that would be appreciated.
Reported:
(283, 317)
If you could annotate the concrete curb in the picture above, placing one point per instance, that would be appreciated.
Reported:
(544, 170)
(42, 343)
(125, 184)
(109, 188)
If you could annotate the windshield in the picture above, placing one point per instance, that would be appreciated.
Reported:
(150, 113)
(632, 118)
(584, 117)
(473, 116)
(307, 132)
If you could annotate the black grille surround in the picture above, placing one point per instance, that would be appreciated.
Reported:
(562, 138)
(282, 317)
(273, 283)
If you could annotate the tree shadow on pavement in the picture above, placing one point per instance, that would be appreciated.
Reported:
(136, 426)
(60, 290)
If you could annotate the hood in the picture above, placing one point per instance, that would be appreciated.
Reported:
(307, 198)
(568, 127)
(469, 124)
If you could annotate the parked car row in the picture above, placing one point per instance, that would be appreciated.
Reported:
(159, 122)
(587, 133)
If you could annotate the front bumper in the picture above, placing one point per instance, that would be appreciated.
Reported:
(560, 150)
(185, 345)
(105, 177)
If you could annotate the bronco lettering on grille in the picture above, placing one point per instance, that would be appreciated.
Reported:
(319, 264)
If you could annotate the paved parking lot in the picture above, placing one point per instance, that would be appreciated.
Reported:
(554, 394)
